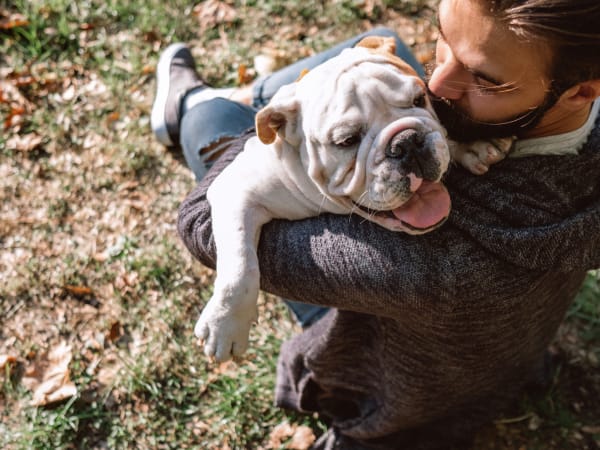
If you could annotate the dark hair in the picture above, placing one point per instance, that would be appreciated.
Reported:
(569, 28)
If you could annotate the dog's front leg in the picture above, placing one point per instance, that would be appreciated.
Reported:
(478, 156)
(225, 321)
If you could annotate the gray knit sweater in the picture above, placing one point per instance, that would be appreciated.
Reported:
(429, 335)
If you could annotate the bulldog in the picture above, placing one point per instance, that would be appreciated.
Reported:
(355, 135)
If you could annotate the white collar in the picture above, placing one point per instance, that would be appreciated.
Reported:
(560, 144)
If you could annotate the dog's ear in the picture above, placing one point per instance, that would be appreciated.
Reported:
(279, 116)
(268, 123)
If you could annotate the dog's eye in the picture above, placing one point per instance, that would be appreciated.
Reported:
(420, 101)
(349, 141)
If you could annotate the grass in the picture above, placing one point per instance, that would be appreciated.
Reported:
(90, 255)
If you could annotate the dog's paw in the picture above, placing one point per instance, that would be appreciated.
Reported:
(225, 329)
(478, 156)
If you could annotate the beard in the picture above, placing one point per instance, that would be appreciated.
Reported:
(463, 128)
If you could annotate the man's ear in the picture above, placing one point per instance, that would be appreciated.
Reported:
(580, 95)
(279, 117)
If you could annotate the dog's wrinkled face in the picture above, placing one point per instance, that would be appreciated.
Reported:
(367, 137)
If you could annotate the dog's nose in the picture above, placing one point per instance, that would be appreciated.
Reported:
(409, 148)
(404, 144)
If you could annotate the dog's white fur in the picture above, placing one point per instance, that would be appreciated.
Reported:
(321, 147)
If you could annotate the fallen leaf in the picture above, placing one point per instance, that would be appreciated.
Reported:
(78, 291)
(368, 6)
(112, 117)
(6, 359)
(225, 367)
(109, 370)
(212, 13)
(13, 117)
(128, 185)
(244, 76)
(68, 94)
(12, 95)
(92, 140)
(25, 143)
(148, 69)
(13, 21)
(23, 80)
(115, 332)
(300, 437)
(48, 377)
(279, 434)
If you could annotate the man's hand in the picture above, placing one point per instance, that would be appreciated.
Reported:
(478, 156)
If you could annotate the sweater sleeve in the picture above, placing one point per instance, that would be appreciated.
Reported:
(525, 217)
(346, 262)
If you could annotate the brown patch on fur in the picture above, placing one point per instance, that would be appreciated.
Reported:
(386, 46)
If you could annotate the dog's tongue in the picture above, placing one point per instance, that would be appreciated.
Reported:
(428, 206)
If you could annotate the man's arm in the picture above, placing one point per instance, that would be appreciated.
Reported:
(525, 217)
(342, 261)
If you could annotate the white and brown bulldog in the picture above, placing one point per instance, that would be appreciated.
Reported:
(356, 135)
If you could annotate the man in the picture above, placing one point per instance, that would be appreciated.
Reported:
(426, 337)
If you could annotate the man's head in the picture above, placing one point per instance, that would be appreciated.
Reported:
(516, 67)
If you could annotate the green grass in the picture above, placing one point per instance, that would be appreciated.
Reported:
(586, 309)
(94, 206)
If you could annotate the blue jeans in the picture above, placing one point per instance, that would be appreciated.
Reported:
(219, 118)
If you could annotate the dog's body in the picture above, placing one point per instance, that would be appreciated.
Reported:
(355, 135)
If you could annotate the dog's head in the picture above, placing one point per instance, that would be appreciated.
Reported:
(367, 136)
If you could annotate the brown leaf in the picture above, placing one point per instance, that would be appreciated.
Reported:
(13, 117)
(212, 13)
(148, 69)
(244, 76)
(115, 332)
(10, 21)
(279, 434)
(18, 104)
(23, 80)
(109, 370)
(302, 437)
(6, 359)
(24, 143)
(78, 291)
(128, 185)
(112, 117)
(48, 377)
(368, 6)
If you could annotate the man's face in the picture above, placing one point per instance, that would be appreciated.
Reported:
(488, 82)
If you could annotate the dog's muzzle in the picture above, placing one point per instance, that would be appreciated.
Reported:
(404, 189)
(409, 149)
